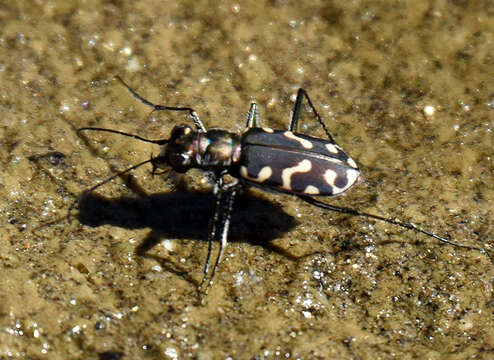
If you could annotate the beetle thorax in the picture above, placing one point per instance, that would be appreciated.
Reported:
(217, 149)
(186, 149)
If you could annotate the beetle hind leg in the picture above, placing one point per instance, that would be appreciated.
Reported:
(298, 108)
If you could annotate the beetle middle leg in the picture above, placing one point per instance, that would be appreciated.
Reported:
(225, 195)
(252, 116)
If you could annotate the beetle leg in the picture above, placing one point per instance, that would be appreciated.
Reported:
(230, 193)
(252, 116)
(409, 226)
(298, 108)
(212, 228)
(195, 117)
(222, 213)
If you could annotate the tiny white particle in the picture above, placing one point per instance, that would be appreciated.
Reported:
(78, 62)
(110, 46)
(307, 314)
(272, 102)
(127, 50)
(168, 245)
(429, 110)
(171, 353)
(133, 64)
(465, 107)
(64, 107)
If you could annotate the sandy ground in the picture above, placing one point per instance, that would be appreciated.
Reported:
(407, 89)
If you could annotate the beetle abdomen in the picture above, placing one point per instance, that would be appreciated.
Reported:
(296, 163)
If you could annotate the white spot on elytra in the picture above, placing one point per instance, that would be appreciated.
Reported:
(330, 177)
(286, 175)
(305, 143)
(352, 163)
(332, 148)
(352, 176)
(243, 172)
(263, 175)
(335, 161)
(311, 190)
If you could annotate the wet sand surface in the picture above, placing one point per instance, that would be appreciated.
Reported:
(407, 90)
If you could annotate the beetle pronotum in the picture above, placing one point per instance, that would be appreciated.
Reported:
(281, 160)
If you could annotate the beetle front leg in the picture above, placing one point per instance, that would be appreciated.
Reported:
(195, 117)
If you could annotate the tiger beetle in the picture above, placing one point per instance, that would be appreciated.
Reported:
(280, 160)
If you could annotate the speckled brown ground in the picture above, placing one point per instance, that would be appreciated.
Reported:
(297, 282)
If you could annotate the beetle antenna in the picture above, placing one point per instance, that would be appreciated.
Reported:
(159, 142)
(409, 226)
(91, 189)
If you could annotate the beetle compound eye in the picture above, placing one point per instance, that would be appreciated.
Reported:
(179, 161)
(180, 131)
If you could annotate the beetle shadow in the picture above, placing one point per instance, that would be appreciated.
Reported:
(185, 215)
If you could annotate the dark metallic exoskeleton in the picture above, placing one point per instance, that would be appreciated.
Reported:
(280, 160)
